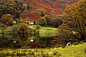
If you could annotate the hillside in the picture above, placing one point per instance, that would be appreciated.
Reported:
(54, 7)
(51, 6)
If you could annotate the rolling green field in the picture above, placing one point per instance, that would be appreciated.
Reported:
(45, 31)
(42, 29)
(68, 51)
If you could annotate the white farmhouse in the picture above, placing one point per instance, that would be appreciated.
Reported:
(31, 23)
(14, 22)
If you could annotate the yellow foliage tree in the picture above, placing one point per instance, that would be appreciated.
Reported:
(23, 28)
(74, 22)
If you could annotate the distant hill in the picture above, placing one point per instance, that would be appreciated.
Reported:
(50, 6)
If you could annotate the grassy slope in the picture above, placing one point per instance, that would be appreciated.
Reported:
(68, 51)
(73, 50)
(45, 31)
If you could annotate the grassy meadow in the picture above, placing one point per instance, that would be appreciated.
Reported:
(68, 51)
(44, 29)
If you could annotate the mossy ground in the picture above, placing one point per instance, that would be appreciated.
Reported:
(68, 51)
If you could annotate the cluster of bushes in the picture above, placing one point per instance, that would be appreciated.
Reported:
(12, 7)
(20, 27)
(50, 21)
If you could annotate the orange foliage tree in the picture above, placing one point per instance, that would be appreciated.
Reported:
(7, 19)
(27, 19)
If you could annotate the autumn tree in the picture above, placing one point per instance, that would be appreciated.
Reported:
(48, 20)
(7, 19)
(17, 15)
(23, 28)
(10, 10)
(22, 20)
(42, 13)
(27, 19)
(74, 22)
(10, 7)
(42, 21)
(21, 2)
(24, 6)
(17, 20)
(56, 22)
(1, 12)
(4, 9)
